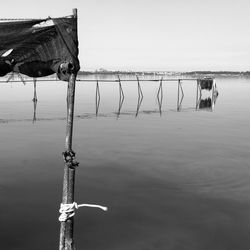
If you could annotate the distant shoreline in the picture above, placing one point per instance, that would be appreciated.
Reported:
(169, 73)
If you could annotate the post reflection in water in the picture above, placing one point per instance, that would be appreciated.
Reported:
(192, 201)
(97, 98)
(34, 111)
(207, 103)
(140, 97)
(160, 96)
(121, 97)
(179, 100)
(34, 100)
(203, 101)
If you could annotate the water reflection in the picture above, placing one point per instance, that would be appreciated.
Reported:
(140, 96)
(97, 98)
(34, 100)
(35, 95)
(34, 110)
(205, 99)
(180, 99)
(206, 103)
(162, 195)
(160, 96)
(121, 97)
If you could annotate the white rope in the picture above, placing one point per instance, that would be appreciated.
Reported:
(68, 210)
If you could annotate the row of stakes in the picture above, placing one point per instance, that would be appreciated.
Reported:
(180, 96)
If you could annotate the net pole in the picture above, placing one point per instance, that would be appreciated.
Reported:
(67, 227)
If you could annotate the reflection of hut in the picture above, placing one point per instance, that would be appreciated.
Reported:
(205, 103)
(206, 83)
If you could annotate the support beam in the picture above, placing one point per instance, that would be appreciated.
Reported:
(97, 98)
(66, 231)
(140, 96)
(121, 97)
(67, 227)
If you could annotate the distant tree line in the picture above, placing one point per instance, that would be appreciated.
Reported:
(118, 72)
(219, 72)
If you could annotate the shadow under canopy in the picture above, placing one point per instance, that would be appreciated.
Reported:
(39, 47)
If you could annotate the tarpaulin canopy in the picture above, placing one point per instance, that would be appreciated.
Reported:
(39, 47)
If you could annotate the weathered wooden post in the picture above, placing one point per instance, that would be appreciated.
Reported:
(159, 99)
(121, 96)
(66, 230)
(140, 96)
(197, 94)
(97, 98)
(34, 100)
(178, 97)
(35, 95)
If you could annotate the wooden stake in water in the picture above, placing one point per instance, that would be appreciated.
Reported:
(66, 230)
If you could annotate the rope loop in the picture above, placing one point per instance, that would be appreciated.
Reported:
(69, 159)
(68, 210)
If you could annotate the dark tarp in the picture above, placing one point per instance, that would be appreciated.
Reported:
(39, 48)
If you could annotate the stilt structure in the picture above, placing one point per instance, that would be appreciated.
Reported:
(35, 95)
(34, 100)
(97, 98)
(207, 84)
(160, 96)
(121, 97)
(34, 111)
(140, 96)
(179, 100)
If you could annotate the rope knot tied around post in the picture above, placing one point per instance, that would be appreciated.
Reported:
(68, 210)
(69, 159)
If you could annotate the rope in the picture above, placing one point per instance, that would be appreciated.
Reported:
(68, 210)
(69, 158)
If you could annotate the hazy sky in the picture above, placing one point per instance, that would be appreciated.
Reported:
(152, 34)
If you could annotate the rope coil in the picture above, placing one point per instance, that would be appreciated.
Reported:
(68, 210)
(69, 159)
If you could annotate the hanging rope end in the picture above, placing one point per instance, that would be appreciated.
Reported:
(68, 210)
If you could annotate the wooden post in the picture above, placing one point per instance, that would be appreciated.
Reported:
(178, 97)
(212, 101)
(35, 95)
(140, 96)
(159, 99)
(121, 97)
(97, 98)
(197, 94)
(66, 229)
(34, 100)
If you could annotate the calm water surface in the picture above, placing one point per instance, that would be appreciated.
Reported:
(172, 181)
